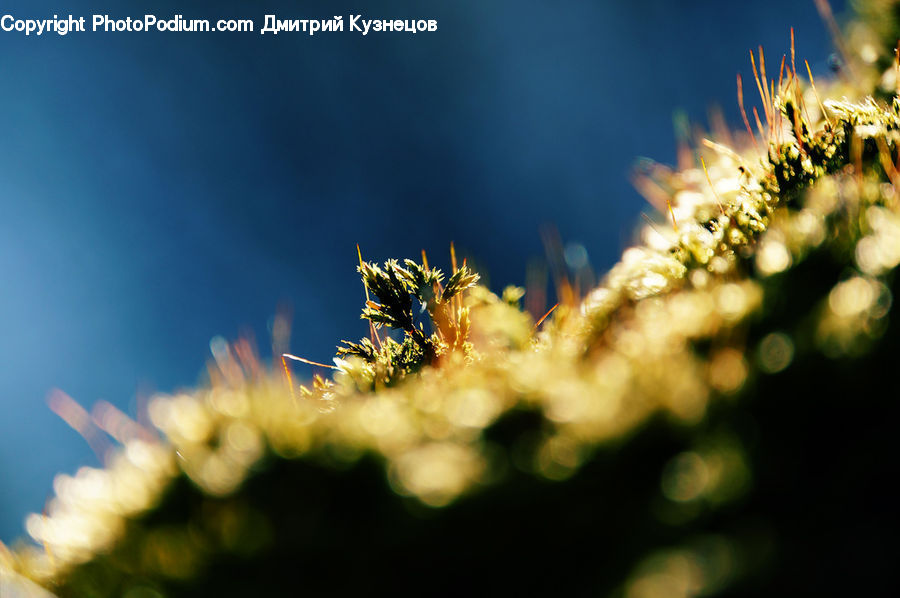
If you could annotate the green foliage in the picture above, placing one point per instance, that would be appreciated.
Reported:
(396, 287)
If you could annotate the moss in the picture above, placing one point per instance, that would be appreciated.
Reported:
(706, 421)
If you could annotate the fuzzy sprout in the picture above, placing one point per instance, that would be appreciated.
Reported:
(387, 360)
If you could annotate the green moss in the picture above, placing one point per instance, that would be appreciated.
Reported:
(708, 420)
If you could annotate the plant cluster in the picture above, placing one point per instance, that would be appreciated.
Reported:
(404, 293)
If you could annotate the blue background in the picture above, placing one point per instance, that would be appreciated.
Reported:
(158, 189)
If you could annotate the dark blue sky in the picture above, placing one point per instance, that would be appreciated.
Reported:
(158, 189)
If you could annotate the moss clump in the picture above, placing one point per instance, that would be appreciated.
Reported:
(396, 288)
(709, 420)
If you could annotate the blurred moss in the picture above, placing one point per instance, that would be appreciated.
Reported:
(715, 418)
